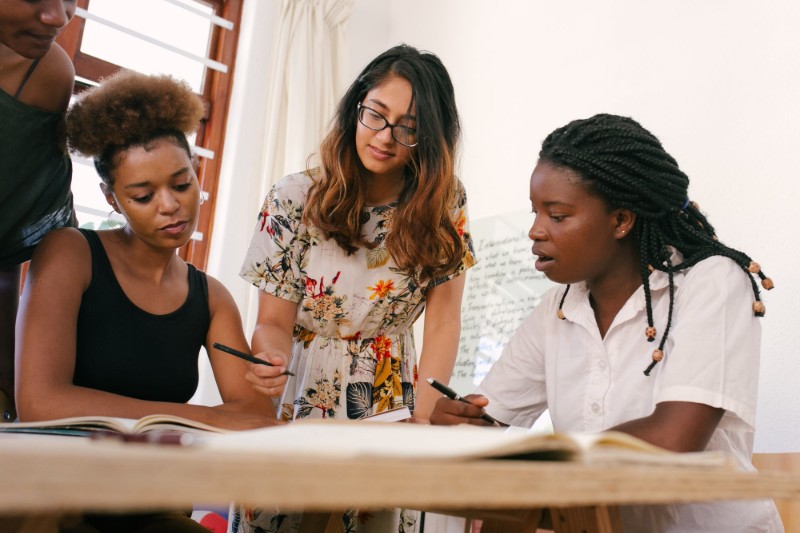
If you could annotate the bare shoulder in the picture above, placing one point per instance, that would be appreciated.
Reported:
(63, 237)
(50, 86)
(219, 297)
(66, 252)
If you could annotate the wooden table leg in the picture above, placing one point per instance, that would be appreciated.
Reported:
(511, 521)
(594, 519)
(322, 523)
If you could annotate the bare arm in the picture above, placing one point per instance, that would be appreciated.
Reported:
(230, 371)
(46, 349)
(46, 327)
(676, 426)
(440, 342)
(272, 341)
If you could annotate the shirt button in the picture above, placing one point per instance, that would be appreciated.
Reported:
(602, 365)
(595, 408)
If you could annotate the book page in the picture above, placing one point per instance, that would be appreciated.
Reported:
(163, 422)
(350, 439)
(353, 439)
(391, 415)
(74, 424)
(616, 447)
(78, 425)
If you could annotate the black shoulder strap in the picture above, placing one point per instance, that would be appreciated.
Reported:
(197, 278)
(26, 78)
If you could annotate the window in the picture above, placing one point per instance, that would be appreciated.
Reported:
(194, 40)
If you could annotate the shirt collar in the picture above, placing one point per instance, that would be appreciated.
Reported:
(578, 296)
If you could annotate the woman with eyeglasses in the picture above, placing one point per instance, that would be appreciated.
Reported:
(36, 79)
(347, 255)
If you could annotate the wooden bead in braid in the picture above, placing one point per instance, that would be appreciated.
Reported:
(650, 331)
(560, 312)
(658, 354)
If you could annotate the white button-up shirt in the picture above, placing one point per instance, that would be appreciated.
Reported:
(592, 383)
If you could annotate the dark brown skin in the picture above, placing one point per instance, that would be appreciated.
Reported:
(582, 239)
(675, 426)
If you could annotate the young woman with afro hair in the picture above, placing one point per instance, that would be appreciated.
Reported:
(111, 322)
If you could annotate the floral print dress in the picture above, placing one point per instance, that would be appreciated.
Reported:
(353, 352)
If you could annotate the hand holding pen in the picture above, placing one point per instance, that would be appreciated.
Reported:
(246, 356)
(453, 395)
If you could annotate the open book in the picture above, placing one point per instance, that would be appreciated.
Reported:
(347, 440)
(87, 425)
(390, 415)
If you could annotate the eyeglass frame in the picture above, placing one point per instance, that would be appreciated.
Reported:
(388, 124)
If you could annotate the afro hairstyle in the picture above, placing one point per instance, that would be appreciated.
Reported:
(130, 109)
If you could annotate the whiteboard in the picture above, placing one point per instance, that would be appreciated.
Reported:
(501, 290)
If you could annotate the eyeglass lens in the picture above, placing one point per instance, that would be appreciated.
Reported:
(370, 118)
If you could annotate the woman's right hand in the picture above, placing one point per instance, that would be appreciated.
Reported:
(269, 380)
(447, 412)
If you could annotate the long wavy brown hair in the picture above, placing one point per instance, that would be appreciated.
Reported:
(423, 240)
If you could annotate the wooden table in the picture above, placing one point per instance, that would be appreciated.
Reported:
(66, 474)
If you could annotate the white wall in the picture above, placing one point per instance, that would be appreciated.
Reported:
(369, 32)
(717, 81)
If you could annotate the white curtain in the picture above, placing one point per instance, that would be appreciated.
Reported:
(290, 72)
(307, 79)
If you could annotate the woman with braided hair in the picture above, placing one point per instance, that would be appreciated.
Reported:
(655, 331)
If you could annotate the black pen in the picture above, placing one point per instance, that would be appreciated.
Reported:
(453, 395)
(246, 356)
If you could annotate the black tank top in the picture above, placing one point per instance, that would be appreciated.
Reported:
(125, 350)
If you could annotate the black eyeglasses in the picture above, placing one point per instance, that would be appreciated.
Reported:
(373, 120)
